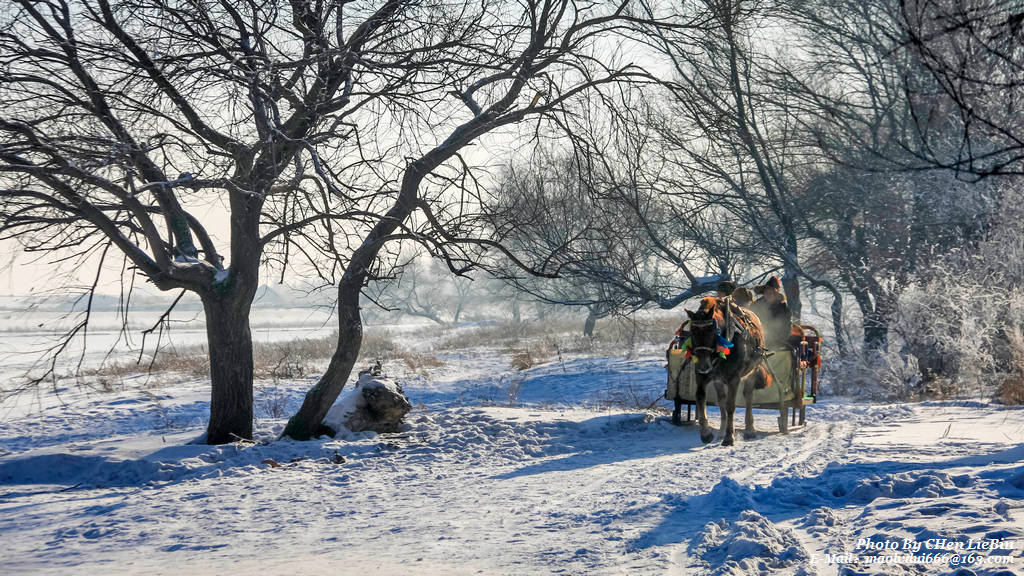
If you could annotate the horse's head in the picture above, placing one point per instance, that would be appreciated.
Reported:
(704, 326)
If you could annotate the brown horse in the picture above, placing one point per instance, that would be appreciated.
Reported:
(726, 366)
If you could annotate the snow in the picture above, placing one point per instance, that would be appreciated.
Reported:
(556, 469)
(351, 399)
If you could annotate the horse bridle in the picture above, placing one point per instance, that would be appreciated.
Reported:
(711, 350)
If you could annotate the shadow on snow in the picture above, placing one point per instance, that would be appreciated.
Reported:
(839, 485)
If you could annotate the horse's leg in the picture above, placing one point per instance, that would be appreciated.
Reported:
(749, 432)
(723, 401)
(728, 434)
(702, 412)
(677, 412)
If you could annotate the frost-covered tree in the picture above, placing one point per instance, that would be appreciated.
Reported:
(881, 232)
(882, 214)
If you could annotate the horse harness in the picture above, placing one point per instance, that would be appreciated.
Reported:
(725, 341)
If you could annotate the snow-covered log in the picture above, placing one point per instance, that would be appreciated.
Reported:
(375, 403)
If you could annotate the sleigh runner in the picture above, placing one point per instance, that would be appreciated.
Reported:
(794, 385)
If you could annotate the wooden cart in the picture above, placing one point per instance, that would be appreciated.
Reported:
(793, 370)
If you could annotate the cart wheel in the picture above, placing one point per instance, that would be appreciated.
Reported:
(783, 418)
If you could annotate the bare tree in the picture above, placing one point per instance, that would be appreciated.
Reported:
(730, 130)
(522, 60)
(974, 51)
(425, 289)
(306, 121)
(601, 212)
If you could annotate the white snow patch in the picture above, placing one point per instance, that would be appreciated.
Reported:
(750, 544)
(352, 399)
(481, 482)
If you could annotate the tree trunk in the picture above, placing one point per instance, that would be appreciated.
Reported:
(588, 326)
(876, 331)
(231, 370)
(791, 286)
(876, 322)
(867, 310)
(877, 311)
(837, 321)
(307, 422)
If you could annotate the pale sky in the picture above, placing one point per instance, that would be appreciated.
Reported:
(26, 273)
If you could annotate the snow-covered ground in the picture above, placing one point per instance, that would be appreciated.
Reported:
(557, 469)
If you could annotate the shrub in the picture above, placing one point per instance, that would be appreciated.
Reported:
(956, 331)
(273, 401)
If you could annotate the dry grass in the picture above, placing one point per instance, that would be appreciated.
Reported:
(630, 398)
(533, 354)
(271, 356)
(185, 361)
(275, 360)
(504, 334)
(529, 344)
(418, 362)
(292, 359)
(1011, 390)
(376, 346)
(611, 335)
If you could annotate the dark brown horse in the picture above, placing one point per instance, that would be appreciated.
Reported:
(724, 366)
